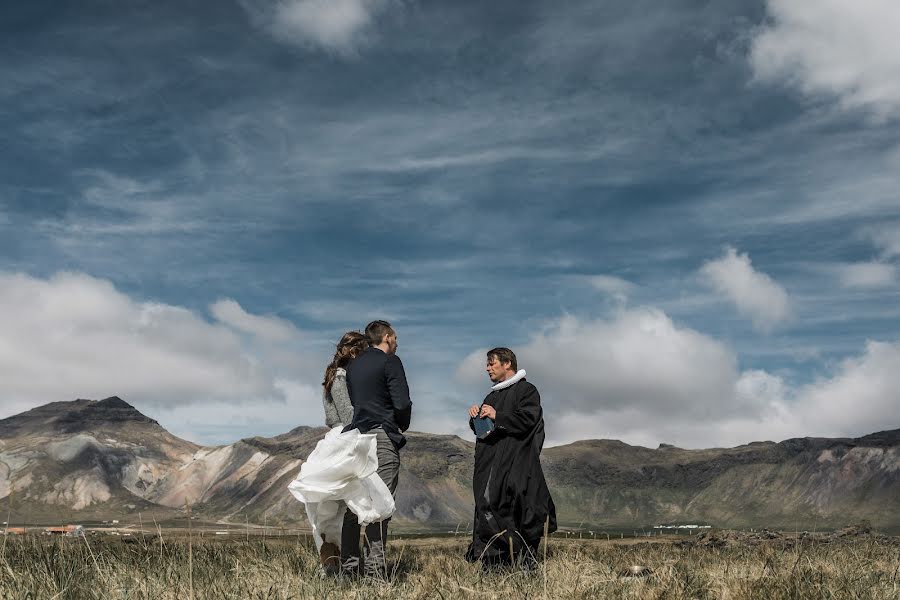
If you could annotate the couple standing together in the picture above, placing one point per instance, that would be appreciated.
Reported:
(366, 393)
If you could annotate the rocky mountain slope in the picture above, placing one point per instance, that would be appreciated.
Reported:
(104, 457)
(797, 483)
(90, 459)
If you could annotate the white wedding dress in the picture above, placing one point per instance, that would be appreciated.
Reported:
(342, 468)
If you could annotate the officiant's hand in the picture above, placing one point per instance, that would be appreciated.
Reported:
(473, 411)
(489, 412)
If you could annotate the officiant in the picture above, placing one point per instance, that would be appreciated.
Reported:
(513, 507)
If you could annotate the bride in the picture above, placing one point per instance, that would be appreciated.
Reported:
(339, 412)
(341, 472)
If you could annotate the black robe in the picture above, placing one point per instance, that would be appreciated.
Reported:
(511, 495)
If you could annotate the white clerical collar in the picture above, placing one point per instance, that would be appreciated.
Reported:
(508, 382)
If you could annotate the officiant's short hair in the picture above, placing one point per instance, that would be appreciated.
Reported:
(504, 355)
(376, 330)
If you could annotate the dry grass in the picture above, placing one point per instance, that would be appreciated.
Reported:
(34, 567)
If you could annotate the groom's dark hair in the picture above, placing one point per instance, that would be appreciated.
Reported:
(376, 330)
(503, 355)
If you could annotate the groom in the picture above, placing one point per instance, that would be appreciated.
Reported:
(380, 397)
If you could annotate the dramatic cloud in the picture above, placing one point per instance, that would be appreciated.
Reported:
(755, 294)
(861, 397)
(638, 361)
(251, 154)
(641, 378)
(867, 275)
(75, 336)
(846, 49)
(335, 25)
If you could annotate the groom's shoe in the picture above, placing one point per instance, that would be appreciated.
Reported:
(375, 563)
(350, 568)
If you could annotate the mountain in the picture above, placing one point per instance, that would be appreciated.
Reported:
(103, 457)
(797, 483)
(89, 459)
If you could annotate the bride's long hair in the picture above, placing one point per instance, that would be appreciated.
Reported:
(352, 344)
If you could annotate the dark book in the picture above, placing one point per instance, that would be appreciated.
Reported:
(483, 426)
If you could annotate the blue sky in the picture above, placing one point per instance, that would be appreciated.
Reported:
(565, 178)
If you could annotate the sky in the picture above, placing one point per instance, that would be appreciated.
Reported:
(683, 217)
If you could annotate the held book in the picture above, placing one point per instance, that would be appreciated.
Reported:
(483, 427)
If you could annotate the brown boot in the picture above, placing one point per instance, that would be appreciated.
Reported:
(330, 556)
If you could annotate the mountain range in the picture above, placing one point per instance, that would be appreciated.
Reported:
(96, 460)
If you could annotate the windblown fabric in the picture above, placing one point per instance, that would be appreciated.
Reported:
(341, 471)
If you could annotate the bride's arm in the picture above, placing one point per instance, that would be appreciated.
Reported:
(340, 397)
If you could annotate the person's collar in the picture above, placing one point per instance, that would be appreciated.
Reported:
(377, 348)
(508, 382)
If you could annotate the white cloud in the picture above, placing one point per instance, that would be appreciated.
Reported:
(637, 376)
(760, 391)
(850, 50)
(867, 275)
(641, 378)
(336, 25)
(75, 336)
(269, 328)
(755, 294)
(639, 360)
(861, 397)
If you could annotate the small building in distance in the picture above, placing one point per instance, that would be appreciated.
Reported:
(67, 530)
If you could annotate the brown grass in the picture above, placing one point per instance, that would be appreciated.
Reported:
(281, 568)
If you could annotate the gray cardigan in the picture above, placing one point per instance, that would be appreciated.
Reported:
(338, 409)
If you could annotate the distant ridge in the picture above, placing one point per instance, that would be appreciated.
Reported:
(77, 415)
(90, 458)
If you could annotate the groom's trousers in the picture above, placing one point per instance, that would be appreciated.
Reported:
(376, 533)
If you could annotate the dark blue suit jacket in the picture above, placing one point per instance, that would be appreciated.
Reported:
(379, 394)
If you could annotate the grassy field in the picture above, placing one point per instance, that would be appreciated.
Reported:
(281, 568)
